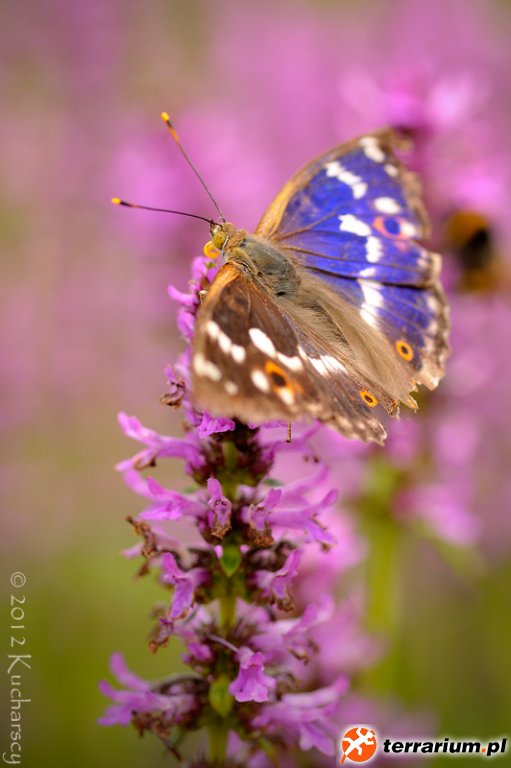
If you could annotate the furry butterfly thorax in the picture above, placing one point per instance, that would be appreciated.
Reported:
(333, 306)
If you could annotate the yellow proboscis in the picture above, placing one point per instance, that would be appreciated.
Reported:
(210, 250)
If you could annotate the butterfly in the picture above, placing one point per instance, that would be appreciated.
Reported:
(332, 307)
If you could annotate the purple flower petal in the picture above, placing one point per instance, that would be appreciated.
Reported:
(124, 675)
(184, 582)
(252, 684)
(210, 425)
(276, 584)
(184, 299)
(221, 507)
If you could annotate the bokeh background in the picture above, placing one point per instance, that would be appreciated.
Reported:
(255, 89)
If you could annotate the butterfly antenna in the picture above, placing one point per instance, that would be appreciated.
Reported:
(118, 201)
(166, 120)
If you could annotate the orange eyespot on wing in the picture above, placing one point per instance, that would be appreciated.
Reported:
(368, 398)
(404, 350)
(278, 376)
(395, 227)
(280, 382)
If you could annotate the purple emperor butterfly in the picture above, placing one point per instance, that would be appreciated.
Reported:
(332, 307)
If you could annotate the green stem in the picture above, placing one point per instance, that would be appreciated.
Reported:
(383, 576)
(218, 733)
(227, 611)
(384, 597)
(229, 478)
(219, 730)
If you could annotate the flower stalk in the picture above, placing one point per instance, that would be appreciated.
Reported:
(231, 592)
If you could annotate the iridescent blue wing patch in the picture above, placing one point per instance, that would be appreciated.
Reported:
(413, 319)
(355, 219)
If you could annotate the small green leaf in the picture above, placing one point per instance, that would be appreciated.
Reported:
(219, 697)
(231, 559)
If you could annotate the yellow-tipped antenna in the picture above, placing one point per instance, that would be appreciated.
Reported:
(173, 133)
(118, 201)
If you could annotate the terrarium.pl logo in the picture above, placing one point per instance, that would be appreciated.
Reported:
(359, 744)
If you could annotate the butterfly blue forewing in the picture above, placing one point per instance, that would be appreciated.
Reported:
(354, 216)
(333, 305)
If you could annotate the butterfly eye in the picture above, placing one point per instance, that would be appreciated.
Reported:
(219, 238)
(395, 227)
(368, 398)
(210, 251)
(404, 349)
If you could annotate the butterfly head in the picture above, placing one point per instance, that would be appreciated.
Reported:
(223, 232)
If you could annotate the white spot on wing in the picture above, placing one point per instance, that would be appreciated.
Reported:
(286, 396)
(260, 381)
(225, 343)
(238, 353)
(206, 368)
(231, 388)
(372, 150)
(262, 342)
(390, 169)
(213, 329)
(408, 229)
(293, 363)
(368, 316)
(337, 171)
(387, 205)
(350, 223)
(374, 249)
(432, 301)
(326, 364)
(319, 365)
(332, 362)
(372, 299)
(372, 294)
